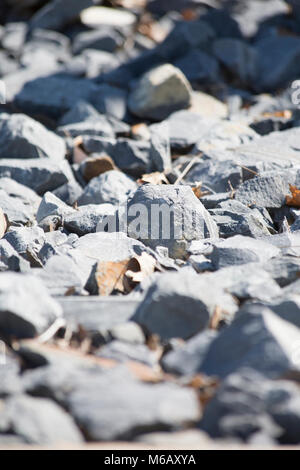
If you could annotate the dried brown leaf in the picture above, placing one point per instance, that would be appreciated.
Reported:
(3, 223)
(285, 113)
(78, 153)
(293, 200)
(110, 276)
(95, 166)
(154, 178)
(138, 268)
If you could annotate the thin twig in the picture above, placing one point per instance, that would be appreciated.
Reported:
(186, 170)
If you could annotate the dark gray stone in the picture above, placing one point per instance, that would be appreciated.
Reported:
(22, 137)
(183, 218)
(233, 218)
(242, 250)
(87, 218)
(284, 270)
(98, 126)
(38, 421)
(27, 309)
(258, 339)
(105, 39)
(52, 205)
(110, 187)
(141, 407)
(68, 192)
(10, 260)
(160, 92)
(160, 147)
(39, 174)
(187, 358)
(131, 156)
(181, 305)
(199, 67)
(238, 57)
(81, 111)
(110, 100)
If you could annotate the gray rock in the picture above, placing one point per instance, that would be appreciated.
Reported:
(87, 218)
(216, 174)
(110, 101)
(105, 39)
(27, 309)
(122, 351)
(239, 409)
(54, 94)
(213, 201)
(246, 281)
(141, 407)
(14, 36)
(11, 382)
(16, 211)
(284, 270)
(187, 358)
(266, 190)
(199, 67)
(238, 57)
(160, 92)
(181, 305)
(129, 332)
(20, 192)
(186, 127)
(183, 218)
(160, 147)
(68, 192)
(58, 13)
(258, 339)
(41, 175)
(10, 260)
(38, 421)
(234, 218)
(241, 250)
(52, 205)
(224, 135)
(25, 238)
(282, 51)
(99, 126)
(96, 313)
(81, 111)
(110, 187)
(23, 137)
(132, 156)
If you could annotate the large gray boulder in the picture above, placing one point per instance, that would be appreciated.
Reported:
(170, 216)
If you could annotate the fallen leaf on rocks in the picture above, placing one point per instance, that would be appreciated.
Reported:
(206, 387)
(293, 200)
(3, 223)
(216, 318)
(140, 132)
(189, 14)
(95, 166)
(139, 268)
(198, 191)
(286, 114)
(154, 178)
(78, 154)
(110, 276)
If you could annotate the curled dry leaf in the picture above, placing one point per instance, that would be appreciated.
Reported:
(78, 154)
(3, 223)
(286, 114)
(154, 178)
(198, 191)
(95, 166)
(110, 276)
(138, 268)
(293, 200)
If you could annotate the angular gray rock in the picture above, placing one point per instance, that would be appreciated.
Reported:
(26, 308)
(140, 406)
(182, 304)
(52, 205)
(88, 217)
(257, 339)
(160, 92)
(186, 359)
(170, 216)
(41, 175)
(241, 250)
(23, 137)
(38, 421)
(16, 211)
(112, 187)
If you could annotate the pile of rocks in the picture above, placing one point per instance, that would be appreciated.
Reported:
(149, 222)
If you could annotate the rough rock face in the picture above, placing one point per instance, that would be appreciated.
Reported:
(160, 92)
(149, 223)
(183, 218)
